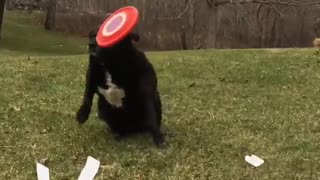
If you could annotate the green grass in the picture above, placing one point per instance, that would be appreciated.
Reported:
(261, 101)
(21, 36)
(218, 105)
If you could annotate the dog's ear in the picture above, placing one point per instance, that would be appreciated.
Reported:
(92, 45)
(93, 33)
(134, 36)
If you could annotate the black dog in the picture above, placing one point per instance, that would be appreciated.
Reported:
(126, 85)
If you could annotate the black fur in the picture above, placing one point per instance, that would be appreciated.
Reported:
(131, 71)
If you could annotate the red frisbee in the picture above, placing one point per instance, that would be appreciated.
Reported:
(117, 26)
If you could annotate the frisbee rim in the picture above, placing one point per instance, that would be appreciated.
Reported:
(105, 27)
(131, 15)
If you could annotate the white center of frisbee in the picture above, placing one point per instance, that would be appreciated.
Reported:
(114, 24)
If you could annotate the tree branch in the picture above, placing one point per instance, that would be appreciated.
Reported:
(179, 16)
(274, 2)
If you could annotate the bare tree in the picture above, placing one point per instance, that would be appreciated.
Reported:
(51, 15)
(316, 27)
(2, 5)
(30, 6)
(8, 4)
(272, 2)
(268, 16)
(193, 24)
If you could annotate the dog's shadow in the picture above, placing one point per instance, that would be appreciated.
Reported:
(101, 137)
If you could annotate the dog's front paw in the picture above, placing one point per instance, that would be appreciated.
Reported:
(162, 145)
(82, 115)
(159, 141)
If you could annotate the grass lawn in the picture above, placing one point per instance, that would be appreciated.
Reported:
(218, 105)
(20, 36)
(259, 101)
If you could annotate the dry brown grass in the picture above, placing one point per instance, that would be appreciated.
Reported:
(316, 42)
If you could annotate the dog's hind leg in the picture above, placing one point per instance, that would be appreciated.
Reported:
(158, 108)
(152, 123)
(152, 106)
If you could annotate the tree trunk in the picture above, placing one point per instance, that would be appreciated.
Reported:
(273, 33)
(301, 19)
(316, 27)
(212, 18)
(203, 18)
(98, 4)
(2, 4)
(189, 33)
(30, 6)
(143, 9)
(186, 26)
(8, 4)
(279, 32)
(51, 15)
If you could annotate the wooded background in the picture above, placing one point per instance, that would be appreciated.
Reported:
(192, 24)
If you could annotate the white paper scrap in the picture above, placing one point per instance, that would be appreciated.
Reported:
(90, 169)
(254, 160)
(42, 172)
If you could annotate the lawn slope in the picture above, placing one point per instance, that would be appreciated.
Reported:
(20, 36)
(218, 105)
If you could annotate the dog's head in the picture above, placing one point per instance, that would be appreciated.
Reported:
(122, 50)
(125, 46)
